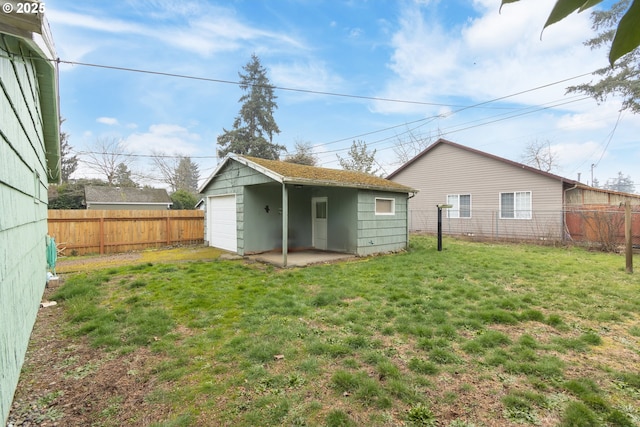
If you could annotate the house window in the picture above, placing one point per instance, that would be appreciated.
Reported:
(461, 206)
(515, 205)
(385, 206)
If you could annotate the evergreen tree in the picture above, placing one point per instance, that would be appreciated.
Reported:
(122, 176)
(624, 33)
(68, 162)
(623, 78)
(183, 199)
(303, 155)
(360, 159)
(187, 175)
(621, 183)
(254, 127)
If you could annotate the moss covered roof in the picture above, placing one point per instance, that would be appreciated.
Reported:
(311, 175)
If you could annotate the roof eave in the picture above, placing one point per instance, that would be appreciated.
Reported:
(33, 30)
(321, 183)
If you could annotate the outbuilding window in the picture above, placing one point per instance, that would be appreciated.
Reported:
(516, 205)
(385, 206)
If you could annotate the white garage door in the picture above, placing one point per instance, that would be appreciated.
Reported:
(221, 222)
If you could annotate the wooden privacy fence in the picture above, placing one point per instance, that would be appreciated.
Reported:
(602, 226)
(79, 232)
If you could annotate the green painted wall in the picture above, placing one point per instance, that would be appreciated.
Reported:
(263, 230)
(381, 233)
(23, 211)
(230, 180)
(341, 218)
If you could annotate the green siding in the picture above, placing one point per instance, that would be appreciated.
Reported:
(381, 233)
(231, 180)
(23, 211)
(263, 230)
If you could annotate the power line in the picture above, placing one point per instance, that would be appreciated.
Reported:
(315, 92)
(421, 122)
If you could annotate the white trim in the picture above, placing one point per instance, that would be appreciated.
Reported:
(516, 211)
(393, 206)
(456, 207)
(314, 233)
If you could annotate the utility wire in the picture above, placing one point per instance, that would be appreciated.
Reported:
(422, 121)
(315, 92)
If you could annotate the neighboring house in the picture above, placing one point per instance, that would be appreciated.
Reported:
(492, 196)
(126, 198)
(254, 205)
(29, 161)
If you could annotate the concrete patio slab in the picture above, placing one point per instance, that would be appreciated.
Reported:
(301, 258)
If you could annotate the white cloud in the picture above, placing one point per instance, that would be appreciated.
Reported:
(111, 121)
(497, 55)
(310, 75)
(164, 138)
(202, 30)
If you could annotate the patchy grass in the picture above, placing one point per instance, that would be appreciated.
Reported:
(478, 334)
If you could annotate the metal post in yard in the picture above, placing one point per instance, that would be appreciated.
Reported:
(628, 237)
(440, 207)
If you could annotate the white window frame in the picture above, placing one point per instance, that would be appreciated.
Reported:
(520, 210)
(393, 206)
(454, 200)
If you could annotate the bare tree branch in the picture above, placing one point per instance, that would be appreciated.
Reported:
(105, 157)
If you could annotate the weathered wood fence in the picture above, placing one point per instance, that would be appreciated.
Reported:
(602, 226)
(79, 232)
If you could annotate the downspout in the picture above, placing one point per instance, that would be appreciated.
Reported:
(285, 224)
(565, 230)
(410, 196)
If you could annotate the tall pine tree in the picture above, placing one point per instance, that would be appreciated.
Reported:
(254, 127)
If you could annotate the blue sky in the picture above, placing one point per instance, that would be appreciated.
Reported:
(437, 60)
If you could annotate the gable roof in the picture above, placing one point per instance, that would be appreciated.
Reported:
(125, 195)
(484, 154)
(32, 30)
(292, 173)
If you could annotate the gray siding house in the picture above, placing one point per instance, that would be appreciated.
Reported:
(254, 205)
(29, 161)
(126, 198)
(490, 196)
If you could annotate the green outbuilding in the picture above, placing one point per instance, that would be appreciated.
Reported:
(29, 161)
(255, 205)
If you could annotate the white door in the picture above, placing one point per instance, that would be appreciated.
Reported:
(221, 222)
(319, 213)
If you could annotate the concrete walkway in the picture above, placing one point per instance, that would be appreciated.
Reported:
(301, 258)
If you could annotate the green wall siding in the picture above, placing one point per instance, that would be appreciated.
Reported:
(381, 233)
(23, 212)
(263, 230)
(231, 179)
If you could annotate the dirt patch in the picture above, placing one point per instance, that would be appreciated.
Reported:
(66, 382)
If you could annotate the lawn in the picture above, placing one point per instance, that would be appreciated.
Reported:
(480, 334)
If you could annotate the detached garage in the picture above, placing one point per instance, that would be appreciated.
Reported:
(255, 205)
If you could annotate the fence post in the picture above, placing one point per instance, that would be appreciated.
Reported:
(628, 237)
(168, 230)
(101, 235)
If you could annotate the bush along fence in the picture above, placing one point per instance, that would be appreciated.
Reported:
(79, 232)
(601, 227)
